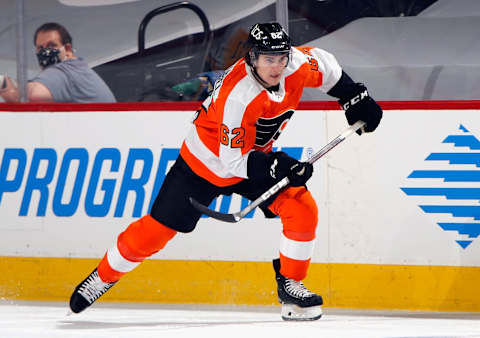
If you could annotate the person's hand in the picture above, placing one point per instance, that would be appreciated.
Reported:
(362, 107)
(282, 165)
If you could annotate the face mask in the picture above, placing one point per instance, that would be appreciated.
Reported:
(48, 56)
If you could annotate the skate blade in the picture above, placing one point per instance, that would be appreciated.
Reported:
(291, 312)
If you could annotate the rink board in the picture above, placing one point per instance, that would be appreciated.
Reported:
(360, 286)
(399, 210)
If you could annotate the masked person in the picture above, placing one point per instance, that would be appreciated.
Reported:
(229, 150)
(64, 77)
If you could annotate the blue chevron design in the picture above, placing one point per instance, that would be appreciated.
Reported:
(464, 244)
(455, 210)
(448, 175)
(449, 193)
(470, 229)
(463, 141)
(454, 158)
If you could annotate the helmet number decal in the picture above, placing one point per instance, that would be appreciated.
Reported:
(276, 35)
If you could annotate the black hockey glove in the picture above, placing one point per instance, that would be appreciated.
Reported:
(360, 106)
(276, 166)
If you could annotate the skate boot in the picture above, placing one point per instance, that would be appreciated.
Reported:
(88, 292)
(298, 303)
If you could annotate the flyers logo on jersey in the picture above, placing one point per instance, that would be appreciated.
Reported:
(269, 129)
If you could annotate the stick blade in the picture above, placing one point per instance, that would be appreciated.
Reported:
(212, 213)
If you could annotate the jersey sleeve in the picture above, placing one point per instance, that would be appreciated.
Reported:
(329, 67)
(324, 70)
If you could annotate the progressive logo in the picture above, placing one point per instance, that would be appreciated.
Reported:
(98, 182)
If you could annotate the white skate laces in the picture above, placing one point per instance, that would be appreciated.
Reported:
(297, 289)
(93, 287)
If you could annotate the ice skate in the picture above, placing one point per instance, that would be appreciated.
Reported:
(298, 303)
(88, 292)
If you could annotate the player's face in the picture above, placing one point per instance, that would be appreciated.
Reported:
(270, 67)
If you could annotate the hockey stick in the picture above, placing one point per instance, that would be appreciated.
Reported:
(237, 216)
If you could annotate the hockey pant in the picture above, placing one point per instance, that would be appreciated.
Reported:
(146, 236)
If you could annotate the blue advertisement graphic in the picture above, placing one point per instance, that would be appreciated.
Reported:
(464, 199)
(44, 174)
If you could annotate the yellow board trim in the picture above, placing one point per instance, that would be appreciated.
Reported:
(355, 286)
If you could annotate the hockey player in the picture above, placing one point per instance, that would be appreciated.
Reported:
(229, 150)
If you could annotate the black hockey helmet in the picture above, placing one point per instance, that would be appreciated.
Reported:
(267, 38)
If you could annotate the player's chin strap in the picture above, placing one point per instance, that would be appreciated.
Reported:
(237, 216)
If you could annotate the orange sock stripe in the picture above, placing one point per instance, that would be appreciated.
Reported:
(293, 268)
(106, 273)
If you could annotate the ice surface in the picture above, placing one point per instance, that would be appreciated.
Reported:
(49, 319)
